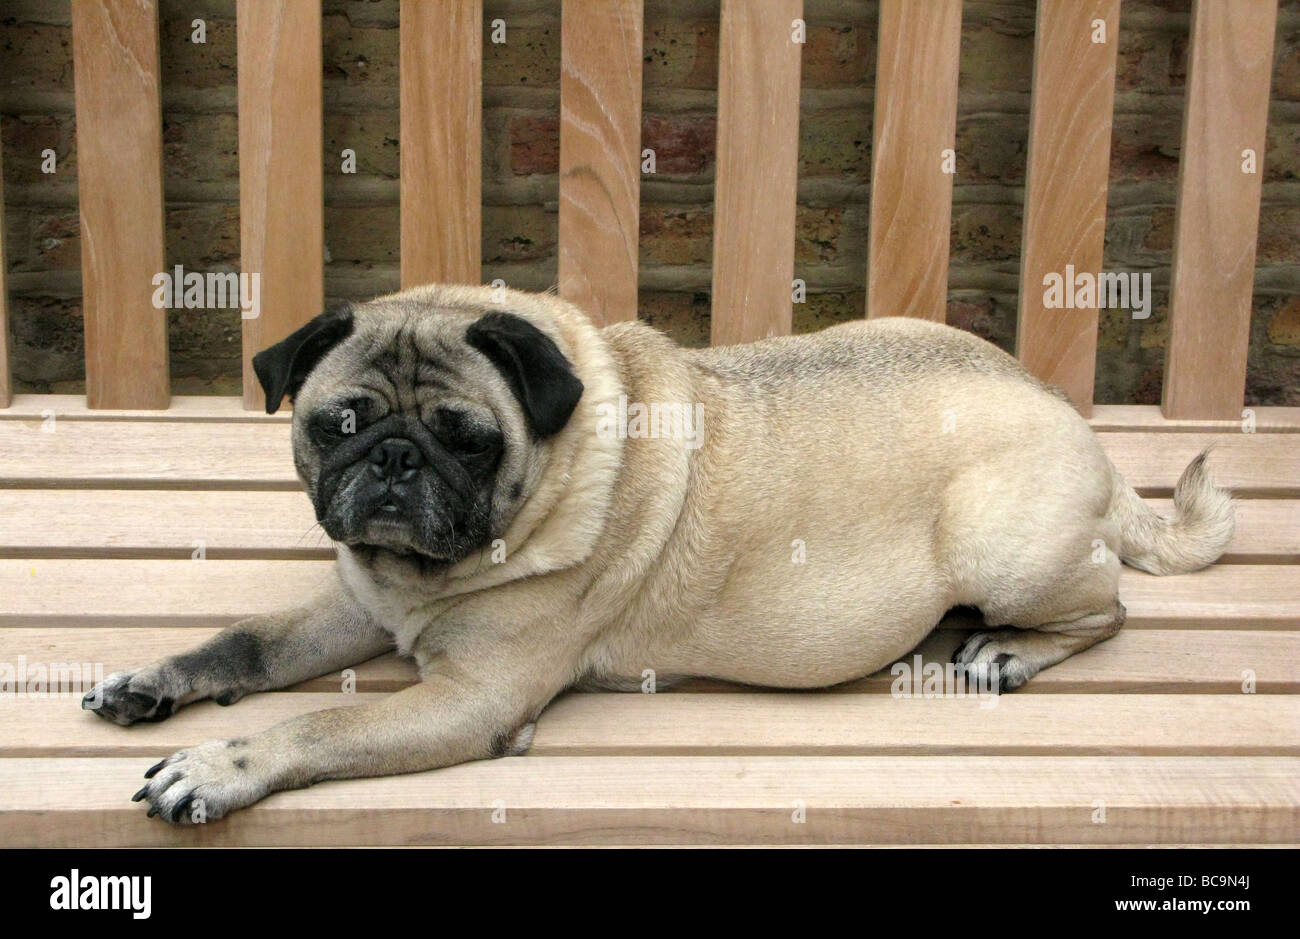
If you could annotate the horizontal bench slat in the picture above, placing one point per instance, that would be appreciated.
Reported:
(1232, 595)
(148, 454)
(1267, 531)
(824, 725)
(92, 592)
(169, 523)
(258, 456)
(1120, 417)
(1105, 417)
(180, 408)
(166, 593)
(159, 523)
(1249, 464)
(58, 802)
(684, 724)
(1199, 661)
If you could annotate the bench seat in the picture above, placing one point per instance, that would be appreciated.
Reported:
(1149, 738)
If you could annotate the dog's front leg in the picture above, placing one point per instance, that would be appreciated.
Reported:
(457, 713)
(256, 654)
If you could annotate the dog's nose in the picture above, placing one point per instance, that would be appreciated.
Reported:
(395, 459)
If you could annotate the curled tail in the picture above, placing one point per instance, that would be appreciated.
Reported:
(1194, 537)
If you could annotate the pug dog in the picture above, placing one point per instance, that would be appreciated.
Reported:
(508, 513)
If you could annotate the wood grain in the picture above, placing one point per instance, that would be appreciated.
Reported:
(181, 408)
(441, 67)
(160, 454)
(281, 208)
(1136, 661)
(758, 144)
(1065, 188)
(36, 592)
(1230, 59)
(159, 524)
(1252, 465)
(203, 408)
(1152, 723)
(1267, 420)
(258, 455)
(57, 802)
(1229, 596)
(600, 156)
(915, 122)
(683, 724)
(6, 385)
(166, 523)
(119, 186)
(1268, 531)
(130, 592)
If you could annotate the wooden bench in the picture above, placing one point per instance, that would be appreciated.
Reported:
(133, 524)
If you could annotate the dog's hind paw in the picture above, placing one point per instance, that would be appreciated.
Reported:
(988, 664)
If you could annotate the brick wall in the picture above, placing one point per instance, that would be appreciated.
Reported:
(520, 152)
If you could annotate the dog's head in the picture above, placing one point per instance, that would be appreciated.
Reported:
(421, 419)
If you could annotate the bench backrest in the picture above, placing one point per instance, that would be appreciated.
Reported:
(119, 142)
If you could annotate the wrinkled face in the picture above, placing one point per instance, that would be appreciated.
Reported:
(419, 432)
(414, 471)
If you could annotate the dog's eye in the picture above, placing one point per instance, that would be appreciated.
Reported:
(466, 437)
(337, 421)
(325, 427)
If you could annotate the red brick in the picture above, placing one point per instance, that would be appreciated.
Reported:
(534, 145)
(684, 144)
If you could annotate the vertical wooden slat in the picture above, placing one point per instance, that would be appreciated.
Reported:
(119, 184)
(600, 156)
(1229, 67)
(441, 139)
(1065, 189)
(758, 148)
(281, 223)
(6, 386)
(911, 194)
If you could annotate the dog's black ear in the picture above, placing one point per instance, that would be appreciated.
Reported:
(533, 365)
(285, 366)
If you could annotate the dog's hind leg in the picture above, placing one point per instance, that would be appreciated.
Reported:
(1042, 564)
(1019, 654)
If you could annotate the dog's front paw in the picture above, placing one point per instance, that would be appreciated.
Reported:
(203, 783)
(989, 664)
(127, 697)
